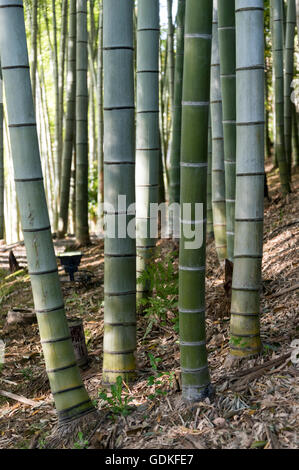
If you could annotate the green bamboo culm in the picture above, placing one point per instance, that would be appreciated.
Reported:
(100, 126)
(147, 134)
(194, 163)
(277, 44)
(175, 152)
(70, 397)
(69, 139)
(288, 77)
(245, 305)
(227, 47)
(82, 231)
(119, 192)
(295, 137)
(170, 53)
(210, 229)
(218, 174)
(2, 230)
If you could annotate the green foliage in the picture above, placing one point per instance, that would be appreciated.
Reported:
(81, 443)
(93, 191)
(119, 400)
(162, 279)
(156, 380)
(27, 373)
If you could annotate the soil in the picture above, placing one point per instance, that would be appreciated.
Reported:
(256, 400)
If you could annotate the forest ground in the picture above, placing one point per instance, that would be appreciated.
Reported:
(256, 402)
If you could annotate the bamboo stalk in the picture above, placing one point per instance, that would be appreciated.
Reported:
(277, 40)
(288, 77)
(70, 396)
(147, 134)
(174, 163)
(69, 122)
(194, 163)
(82, 229)
(245, 305)
(218, 174)
(119, 179)
(227, 47)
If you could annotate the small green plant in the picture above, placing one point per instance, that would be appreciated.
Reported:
(81, 443)
(119, 400)
(162, 279)
(156, 380)
(27, 373)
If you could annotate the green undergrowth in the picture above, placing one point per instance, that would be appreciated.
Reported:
(161, 308)
(12, 283)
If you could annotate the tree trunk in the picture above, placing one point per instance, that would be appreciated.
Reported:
(2, 231)
(119, 180)
(227, 47)
(70, 396)
(82, 230)
(69, 123)
(194, 151)
(277, 40)
(218, 175)
(245, 305)
(175, 153)
(147, 134)
(170, 54)
(100, 122)
(210, 229)
(288, 77)
(34, 49)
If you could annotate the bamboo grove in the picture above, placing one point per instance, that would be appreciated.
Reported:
(111, 115)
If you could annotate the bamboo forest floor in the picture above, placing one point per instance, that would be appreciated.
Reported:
(256, 403)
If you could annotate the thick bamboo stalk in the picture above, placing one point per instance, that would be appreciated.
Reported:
(218, 174)
(175, 153)
(210, 229)
(69, 123)
(34, 48)
(194, 163)
(100, 151)
(2, 231)
(295, 137)
(288, 77)
(277, 40)
(82, 230)
(147, 133)
(70, 396)
(57, 156)
(61, 77)
(119, 180)
(170, 54)
(227, 47)
(245, 306)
